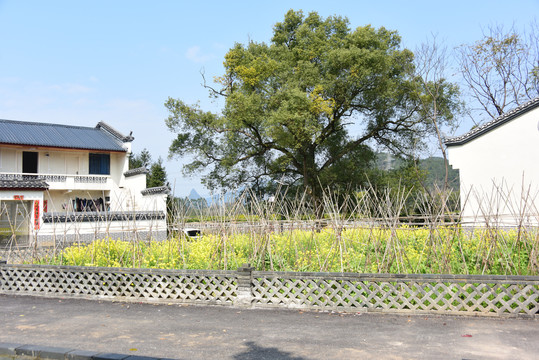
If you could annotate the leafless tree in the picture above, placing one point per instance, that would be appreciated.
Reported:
(440, 99)
(501, 70)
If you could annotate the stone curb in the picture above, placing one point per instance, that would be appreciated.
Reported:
(58, 353)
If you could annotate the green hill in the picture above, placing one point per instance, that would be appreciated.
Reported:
(433, 166)
(435, 169)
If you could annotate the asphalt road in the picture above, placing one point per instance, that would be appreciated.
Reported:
(204, 332)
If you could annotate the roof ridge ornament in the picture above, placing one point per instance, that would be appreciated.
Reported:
(112, 131)
(136, 171)
(156, 190)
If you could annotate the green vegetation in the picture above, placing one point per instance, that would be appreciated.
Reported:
(157, 175)
(364, 250)
(435, 170)
(307, 109)
(431, 170)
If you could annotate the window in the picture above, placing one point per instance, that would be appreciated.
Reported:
(99, 164)
(29, 162)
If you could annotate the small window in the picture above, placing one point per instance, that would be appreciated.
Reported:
(29, 162)
(99, 164)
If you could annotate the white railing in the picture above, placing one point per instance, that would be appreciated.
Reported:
(64, 181)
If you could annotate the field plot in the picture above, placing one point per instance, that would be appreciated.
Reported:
(368, 233)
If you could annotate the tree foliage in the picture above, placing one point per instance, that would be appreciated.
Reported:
(157, 175)
(305, 109)
(144, 159)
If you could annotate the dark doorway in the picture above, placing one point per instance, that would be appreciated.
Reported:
(29, 162)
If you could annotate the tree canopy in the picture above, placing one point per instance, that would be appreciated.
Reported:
(305, 109)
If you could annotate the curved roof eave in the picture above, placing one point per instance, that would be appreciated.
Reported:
(500, 120)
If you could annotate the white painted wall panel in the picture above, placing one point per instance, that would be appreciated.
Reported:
(499, 170)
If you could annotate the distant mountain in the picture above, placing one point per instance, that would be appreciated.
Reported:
(228, 197)
(193, 195)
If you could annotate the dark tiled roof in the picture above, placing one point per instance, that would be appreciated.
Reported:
(156, 190)
(61, 136)
(502, 119)
(137, 171)
(24, 184)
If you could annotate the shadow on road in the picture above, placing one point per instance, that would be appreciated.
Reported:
(259, 352)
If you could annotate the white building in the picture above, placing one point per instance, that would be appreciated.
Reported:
(72, 183)
(499, 172)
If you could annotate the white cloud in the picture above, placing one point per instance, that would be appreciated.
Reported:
(194, 54)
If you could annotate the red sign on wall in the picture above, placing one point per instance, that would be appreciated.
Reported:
(36, 215)
(18, 197)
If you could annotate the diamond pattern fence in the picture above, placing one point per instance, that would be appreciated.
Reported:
(441, 294)
(144, 285)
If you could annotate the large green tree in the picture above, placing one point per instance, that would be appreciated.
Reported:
(305, 109)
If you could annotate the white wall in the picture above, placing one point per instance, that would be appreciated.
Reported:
(157, 202)
(61, 162)
(122, 230)
(128, 197)
(27, 194)
(8, 160)
(499, 169)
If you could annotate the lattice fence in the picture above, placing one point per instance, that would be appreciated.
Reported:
(447, 294)
(208, 287)
(442, 294)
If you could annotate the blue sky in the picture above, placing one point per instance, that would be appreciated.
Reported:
(75, 62)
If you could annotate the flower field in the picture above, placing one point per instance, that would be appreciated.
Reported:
(404, 249)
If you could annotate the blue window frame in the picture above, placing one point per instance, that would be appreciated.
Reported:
(99, 164)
